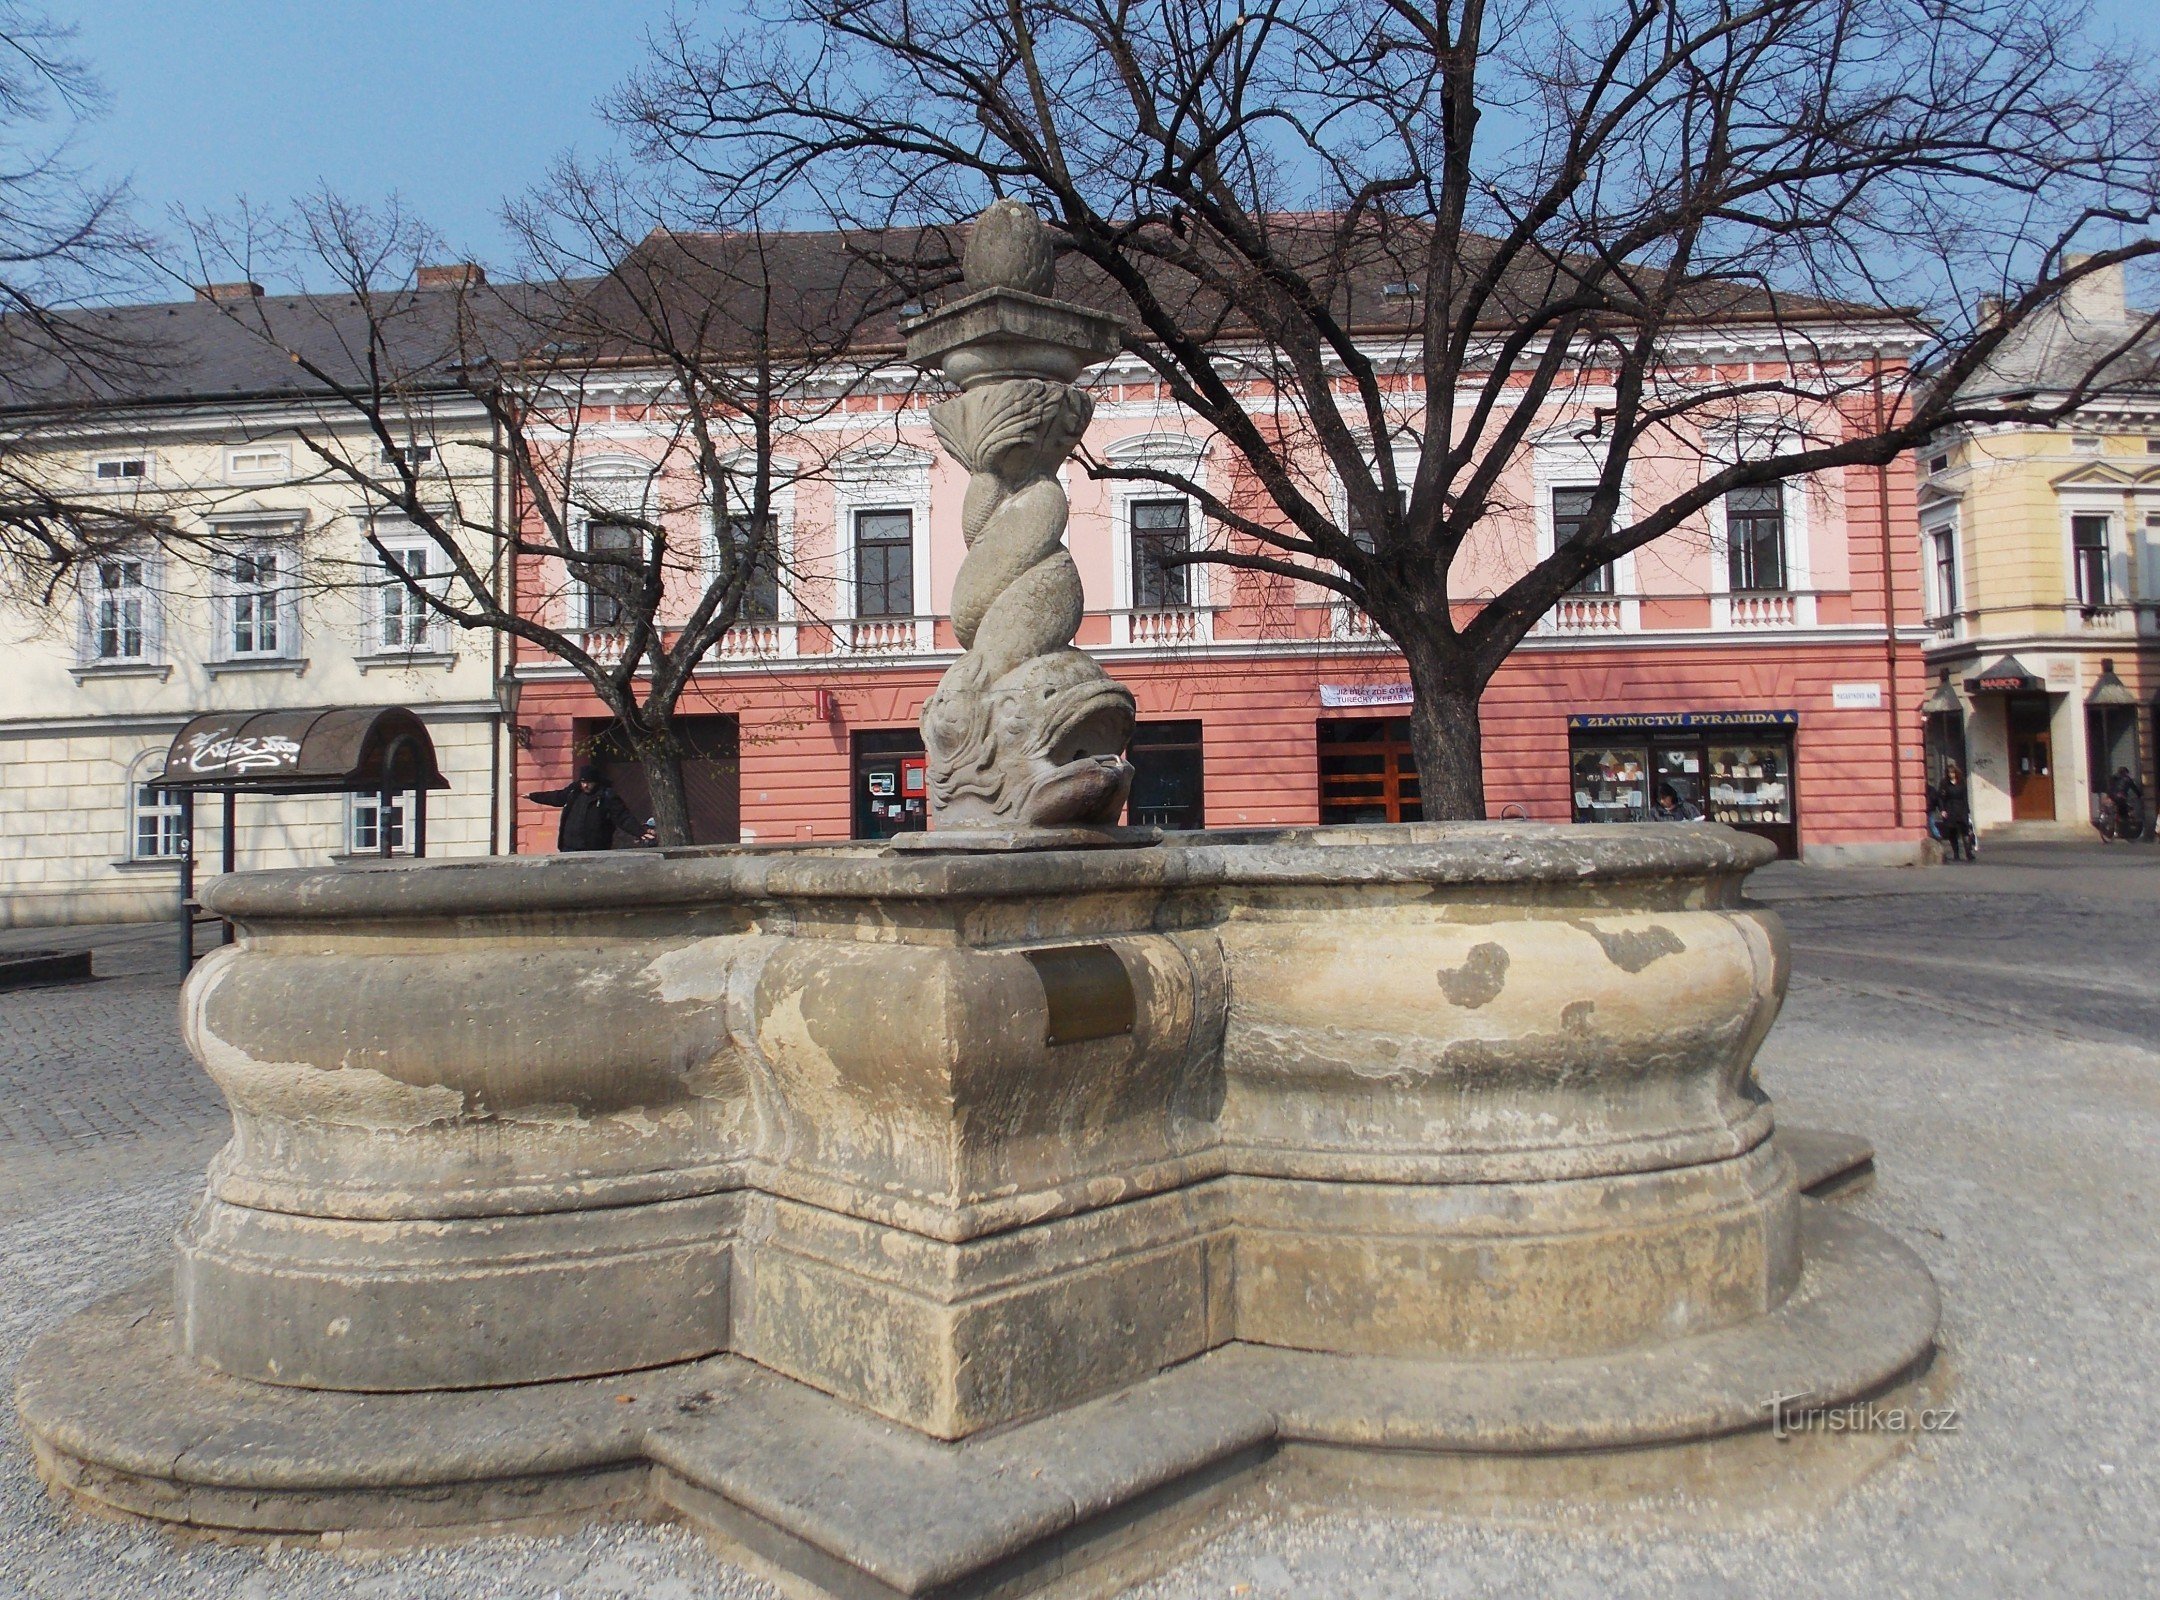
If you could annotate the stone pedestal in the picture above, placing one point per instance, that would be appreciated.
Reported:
(1132, 1166)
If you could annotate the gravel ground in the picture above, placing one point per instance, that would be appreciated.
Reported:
(1995, 1030)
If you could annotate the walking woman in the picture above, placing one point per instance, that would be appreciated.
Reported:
(1953, 809)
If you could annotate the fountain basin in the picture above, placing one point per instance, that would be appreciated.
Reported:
(964, 1138)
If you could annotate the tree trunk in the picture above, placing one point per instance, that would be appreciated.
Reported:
(661, 761)
(1444, 733)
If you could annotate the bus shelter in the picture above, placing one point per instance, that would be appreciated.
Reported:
(380, 750)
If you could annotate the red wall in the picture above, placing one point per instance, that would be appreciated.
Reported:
(1258, 715)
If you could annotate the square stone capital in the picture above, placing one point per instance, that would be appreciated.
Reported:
(1007, 333)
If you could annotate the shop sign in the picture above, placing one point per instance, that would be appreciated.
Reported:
(1366, 694)
(2006, 676)
(1594, 721)
(1856, 696)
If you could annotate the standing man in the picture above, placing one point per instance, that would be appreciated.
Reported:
(592, 813)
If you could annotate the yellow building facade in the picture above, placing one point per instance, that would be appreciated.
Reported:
(2040, 549)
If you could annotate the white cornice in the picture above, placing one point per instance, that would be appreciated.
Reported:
(1352, 655)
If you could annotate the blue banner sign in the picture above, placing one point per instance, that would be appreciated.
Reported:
(1609, 720)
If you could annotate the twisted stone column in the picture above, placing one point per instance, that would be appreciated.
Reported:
(1024, 730)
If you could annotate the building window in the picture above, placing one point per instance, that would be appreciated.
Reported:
(1161, 532)
(1360, 531)
(408, 455)
(1946, 582)
(884, 563)
(117, 623)
(1168, 776)
(404, 620)
(1570, 513)
(1665, 774)
(155, 831)
(255, 604)
(366, 820)
(120, 472)
(758, 543)
(1368, 772)
(256, 463)
(609, 590)
(1755, 539)
(2089, 560)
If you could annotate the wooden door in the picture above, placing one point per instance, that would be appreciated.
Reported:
(2032, 759)
(1368, 772)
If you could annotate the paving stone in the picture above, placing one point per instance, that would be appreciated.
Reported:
(1994, 1032)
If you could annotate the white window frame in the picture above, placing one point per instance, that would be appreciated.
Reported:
(1182, 454)
(1942, 607)
(433, 638)
(1753, 440)
(783, 514)
(1345, 620)
(896, 478)
(91, 592)
(1560, 460)
(388, 456)
(122, 485)
(360, 812)
(2111, 503)
(280, 540)
(169, 809)
(279, 468)
(603, 489)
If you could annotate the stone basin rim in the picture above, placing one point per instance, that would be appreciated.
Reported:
(1466, 854)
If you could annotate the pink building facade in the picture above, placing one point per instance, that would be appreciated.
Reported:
(1775, 686)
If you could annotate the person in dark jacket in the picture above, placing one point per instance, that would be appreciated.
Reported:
(592, 813)
(1669, 807)
(1953, 806)
(2129, 797)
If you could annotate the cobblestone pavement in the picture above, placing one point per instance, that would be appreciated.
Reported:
(95, 1089)
(1994, 1029)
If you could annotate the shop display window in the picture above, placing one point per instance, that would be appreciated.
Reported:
(1750, 783)
(1611, 782)
(1679, 770)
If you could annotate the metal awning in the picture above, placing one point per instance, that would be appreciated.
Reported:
(2006, 676)
(2111, 690)
(325, 750)
(1942, 699)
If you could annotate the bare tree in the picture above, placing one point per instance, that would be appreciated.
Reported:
(1317, 216)
(489, 420)
(66, 243)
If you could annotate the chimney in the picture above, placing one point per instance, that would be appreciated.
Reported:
(228, 291)
(2098, 298)
(453, 275)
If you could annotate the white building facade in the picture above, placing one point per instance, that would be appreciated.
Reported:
(289, 606)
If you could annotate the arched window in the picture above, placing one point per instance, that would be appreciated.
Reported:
(155, 832)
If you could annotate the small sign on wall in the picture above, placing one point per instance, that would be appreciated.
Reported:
(1856, 696)
(1366, 694)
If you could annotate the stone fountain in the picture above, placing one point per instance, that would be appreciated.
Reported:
(975, 1211)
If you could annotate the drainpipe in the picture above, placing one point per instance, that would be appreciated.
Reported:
(496, 636)
(1889, 601)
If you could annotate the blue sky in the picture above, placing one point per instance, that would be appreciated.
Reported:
(453, 104)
